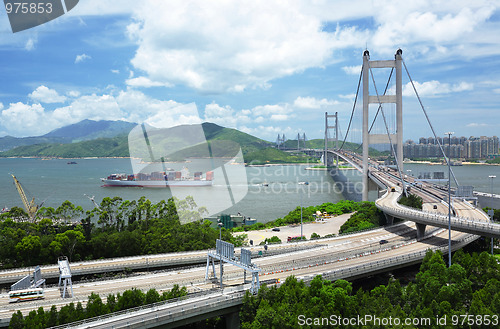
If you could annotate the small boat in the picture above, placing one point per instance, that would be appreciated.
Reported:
(71, 162)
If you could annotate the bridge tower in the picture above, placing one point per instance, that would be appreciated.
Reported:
(380, 99)
(301, 139)
(335, 128)
(280, 141)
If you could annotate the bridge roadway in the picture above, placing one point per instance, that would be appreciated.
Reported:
(144, 262)
(340, 257)
(347, 257)
(466, 218)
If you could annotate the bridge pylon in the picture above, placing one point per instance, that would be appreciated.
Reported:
(380, 99)
(335, 128)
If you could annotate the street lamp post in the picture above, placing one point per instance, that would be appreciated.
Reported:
(449, 197)
(491, 183)
(301, 228)
(492, 212)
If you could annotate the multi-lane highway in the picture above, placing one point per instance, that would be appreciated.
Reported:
(348, 256)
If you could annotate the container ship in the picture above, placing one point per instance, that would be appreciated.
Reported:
(160, 179)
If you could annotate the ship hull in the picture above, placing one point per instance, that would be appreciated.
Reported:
(156, 184)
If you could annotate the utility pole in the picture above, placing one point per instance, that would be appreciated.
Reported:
(449, 199)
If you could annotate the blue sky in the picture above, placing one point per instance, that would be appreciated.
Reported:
(264, 68)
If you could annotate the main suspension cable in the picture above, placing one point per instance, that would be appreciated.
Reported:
(430, 124)
(353, 108)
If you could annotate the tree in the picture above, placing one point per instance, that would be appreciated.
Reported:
(67, 211)
(52, 317)
(95, 306)
(17, 321)
(29, 249)
(69, 240)
(152, 296)
(131, 298)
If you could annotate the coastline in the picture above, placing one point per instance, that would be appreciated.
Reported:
(464, 163)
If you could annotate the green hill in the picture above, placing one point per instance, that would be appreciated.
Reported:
(320, 144)
(272, 155)
(101, 147)
(82, 131)
(223, 142)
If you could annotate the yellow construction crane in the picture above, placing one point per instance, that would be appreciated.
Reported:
(31, 207)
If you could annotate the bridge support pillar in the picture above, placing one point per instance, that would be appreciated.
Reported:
(389, 219)
(233, 320)
(420, 230)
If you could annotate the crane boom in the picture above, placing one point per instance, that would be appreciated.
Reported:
(31, 207)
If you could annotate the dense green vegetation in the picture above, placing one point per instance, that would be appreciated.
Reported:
(94, 307)
(367, 216)
(101, 147)
(496, 213)
(493, 161)
(470, 286)
(412, 200)
(272, 155)
(293, 217)
(124, 228)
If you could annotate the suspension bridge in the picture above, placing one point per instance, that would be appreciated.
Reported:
(346, 257)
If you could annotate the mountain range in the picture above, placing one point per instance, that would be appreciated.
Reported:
(82, 131)
(110, 139)
(90, 138)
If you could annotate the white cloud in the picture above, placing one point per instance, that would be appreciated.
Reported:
(30, 44)
(183, 114)
(46, 95)
(82, 58)
(352, 70)
(145, 82)
(312, 103)
(269, 132)
(115, 71)
(248, 48)
(434, 88)
(20, 118)
(496, 91)
(73, 93)
(434, 28)
(475, 124)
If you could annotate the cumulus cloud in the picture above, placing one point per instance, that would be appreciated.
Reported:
(82, 58)
(145, 82)
(246, 48)
(20, 118)
(44, 94)
(435, 88)
(432, 27)
(312, 103)
(269, 132)
(352, 70)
